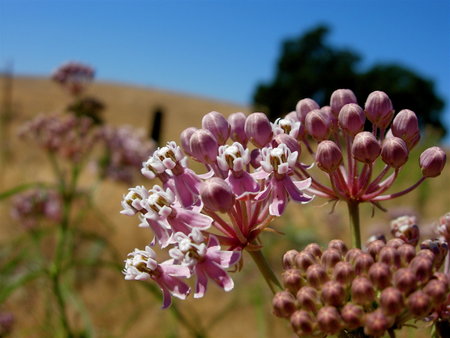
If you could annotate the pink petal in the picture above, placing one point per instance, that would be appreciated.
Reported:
(294, 191)
(279, 198)
(201, 283)
(167, 298)
(193, 219)
(218, 275)
(243, 184)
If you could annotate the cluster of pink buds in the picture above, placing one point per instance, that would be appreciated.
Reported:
(348, 154)
(74, 77)
(65, 135)
(368, 291)
(37, 204)
(126, 149)
(194, 216)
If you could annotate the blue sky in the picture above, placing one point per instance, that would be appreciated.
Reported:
(219, 49)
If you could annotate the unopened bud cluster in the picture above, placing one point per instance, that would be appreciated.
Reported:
(380, 288)
(74, 77)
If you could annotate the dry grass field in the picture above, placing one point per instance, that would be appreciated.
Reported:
(125, 309)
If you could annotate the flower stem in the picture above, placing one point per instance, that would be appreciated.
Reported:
(353, 210)
(265, 270)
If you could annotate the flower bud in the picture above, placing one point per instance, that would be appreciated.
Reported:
(378, 109)
(318, 125)
(394, 152)
(375, 247)
(340, 98)
(303, 260)
(362, 291)
(283, 304)
(308, 299)
(380, 275)
(389, 256)
(292, 116)
(376, 323)
(406, 126)
(258, 129)
(237, 130)
(204, 146)
(395, 243)
(216, 195)
(407, 252)
(353, 315)
(288, 140)
(443, 229)
(185, 139)
(343, 273)
(352, 254)
(408, 233)
(314, 250)
(303, 107)
(437, 291)
(422, 267)
(302, 322)
(432, 161)
(391, 301)
(330, 258)
(217, 125)
(333, 293)
(405, 280)
(351, 119)
(329, 320)
(438, 247)
(363, 262)
(339, 245)
(419, 303)
(334, 124)
(316, 275)
(328, 156)
(365, 147)
(255, 158)
(376, 237)
(442, 277)
(292, 280)
(426, 252)
(289, 259)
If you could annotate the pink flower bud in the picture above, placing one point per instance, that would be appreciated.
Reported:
(343, 273)
(438, 247)
(302, 323)
(288, 140)
(329, 320)
(308, 299)
(255, 158)
(395, 243)
(363, 262)
(292, 116)
(339, 245)
(316, 275)
(362, 291)
(185, 139)
(333, 293)
(303, 107)
(352, 254)
(330, 258)
(432, 161)
(375, 247)
(289, 259)
(391, 301)
(334, 124)
(406, 126)
(217, 195)
(353, 315)
(328, 156)
(376, 323)
(258, 129)
(419, 303)
(318, 124)
(365, 147)
(204, 146)
(394, 152)
(351, 119)
(405, 280)
(378, 109)
(389, 256)
(283, 304)
(380, 275)
(340, 98)
(407, 252)
(437, 291)
(304, 260)
(217, 125)
(422, 267)
(313, 249)
(292, 280)
(237, 128)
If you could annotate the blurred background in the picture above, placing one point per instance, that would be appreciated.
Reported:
(160, 66)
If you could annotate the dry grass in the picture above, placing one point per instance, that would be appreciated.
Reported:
(243, 313)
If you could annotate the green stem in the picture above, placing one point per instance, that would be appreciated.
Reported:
(265, 270)
(353, 210)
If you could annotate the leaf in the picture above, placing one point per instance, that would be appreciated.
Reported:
(20, 188)
(7, 290)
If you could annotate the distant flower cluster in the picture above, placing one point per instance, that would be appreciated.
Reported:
(74, 77)
(371, 291)
(35, 205)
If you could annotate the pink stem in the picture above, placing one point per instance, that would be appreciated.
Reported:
(401, 193)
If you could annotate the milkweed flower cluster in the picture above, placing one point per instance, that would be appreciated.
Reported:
(30, 207)
(206, 220)
(373, 290)
(125, 150)
(74, 77)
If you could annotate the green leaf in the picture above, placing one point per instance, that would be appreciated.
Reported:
(20, 188)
